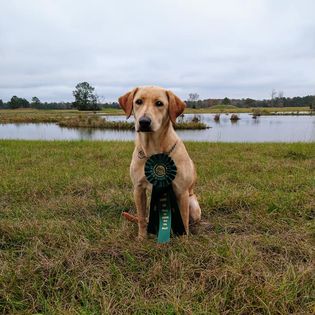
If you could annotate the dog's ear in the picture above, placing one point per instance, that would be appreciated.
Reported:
(175, 106)
(126, 101)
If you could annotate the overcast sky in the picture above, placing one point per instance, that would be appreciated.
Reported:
(221, 48)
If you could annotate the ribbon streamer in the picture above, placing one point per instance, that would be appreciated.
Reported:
(160, 170)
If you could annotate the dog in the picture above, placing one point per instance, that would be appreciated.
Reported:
(155, 110)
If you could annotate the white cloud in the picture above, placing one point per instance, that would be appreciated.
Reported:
(229, 48)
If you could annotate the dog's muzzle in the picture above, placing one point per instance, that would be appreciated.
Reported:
(145, 124)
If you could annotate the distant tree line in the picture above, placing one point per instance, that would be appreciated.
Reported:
(280, 101)
(23, 103)
(85, 98)
(18, 102)
(303, 101)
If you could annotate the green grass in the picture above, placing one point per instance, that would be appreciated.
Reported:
(221, 106)
(64, 248)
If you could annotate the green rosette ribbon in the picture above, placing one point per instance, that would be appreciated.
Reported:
(160, 170)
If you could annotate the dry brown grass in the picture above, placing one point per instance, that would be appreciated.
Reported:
(94, 121)
(76, 119)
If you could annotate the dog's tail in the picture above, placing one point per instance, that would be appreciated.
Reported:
(130, 217)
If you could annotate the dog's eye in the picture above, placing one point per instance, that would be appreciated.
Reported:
(158, 103)
(139, 101)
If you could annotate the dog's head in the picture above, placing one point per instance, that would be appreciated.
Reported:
(153, 107)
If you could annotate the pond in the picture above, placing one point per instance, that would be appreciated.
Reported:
(247, 129)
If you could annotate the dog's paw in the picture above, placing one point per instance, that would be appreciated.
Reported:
(200, 226)
(141, 237)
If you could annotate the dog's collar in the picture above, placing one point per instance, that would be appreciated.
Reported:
(141, 154)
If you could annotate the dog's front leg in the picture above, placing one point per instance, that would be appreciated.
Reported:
(141, 205)
(183, 202)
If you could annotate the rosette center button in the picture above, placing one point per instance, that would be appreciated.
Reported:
(160, 170)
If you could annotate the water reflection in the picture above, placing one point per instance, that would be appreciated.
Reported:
(247, 129)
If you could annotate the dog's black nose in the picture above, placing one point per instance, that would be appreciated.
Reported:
(145, 122)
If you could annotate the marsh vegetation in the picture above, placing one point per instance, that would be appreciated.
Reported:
(76, 119)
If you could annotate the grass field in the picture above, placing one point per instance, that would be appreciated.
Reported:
(64, 248)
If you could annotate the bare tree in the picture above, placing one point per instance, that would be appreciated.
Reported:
(193, 97)
(280, 98)
(273, 95)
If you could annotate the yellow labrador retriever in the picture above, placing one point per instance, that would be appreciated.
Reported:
(155, 110)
